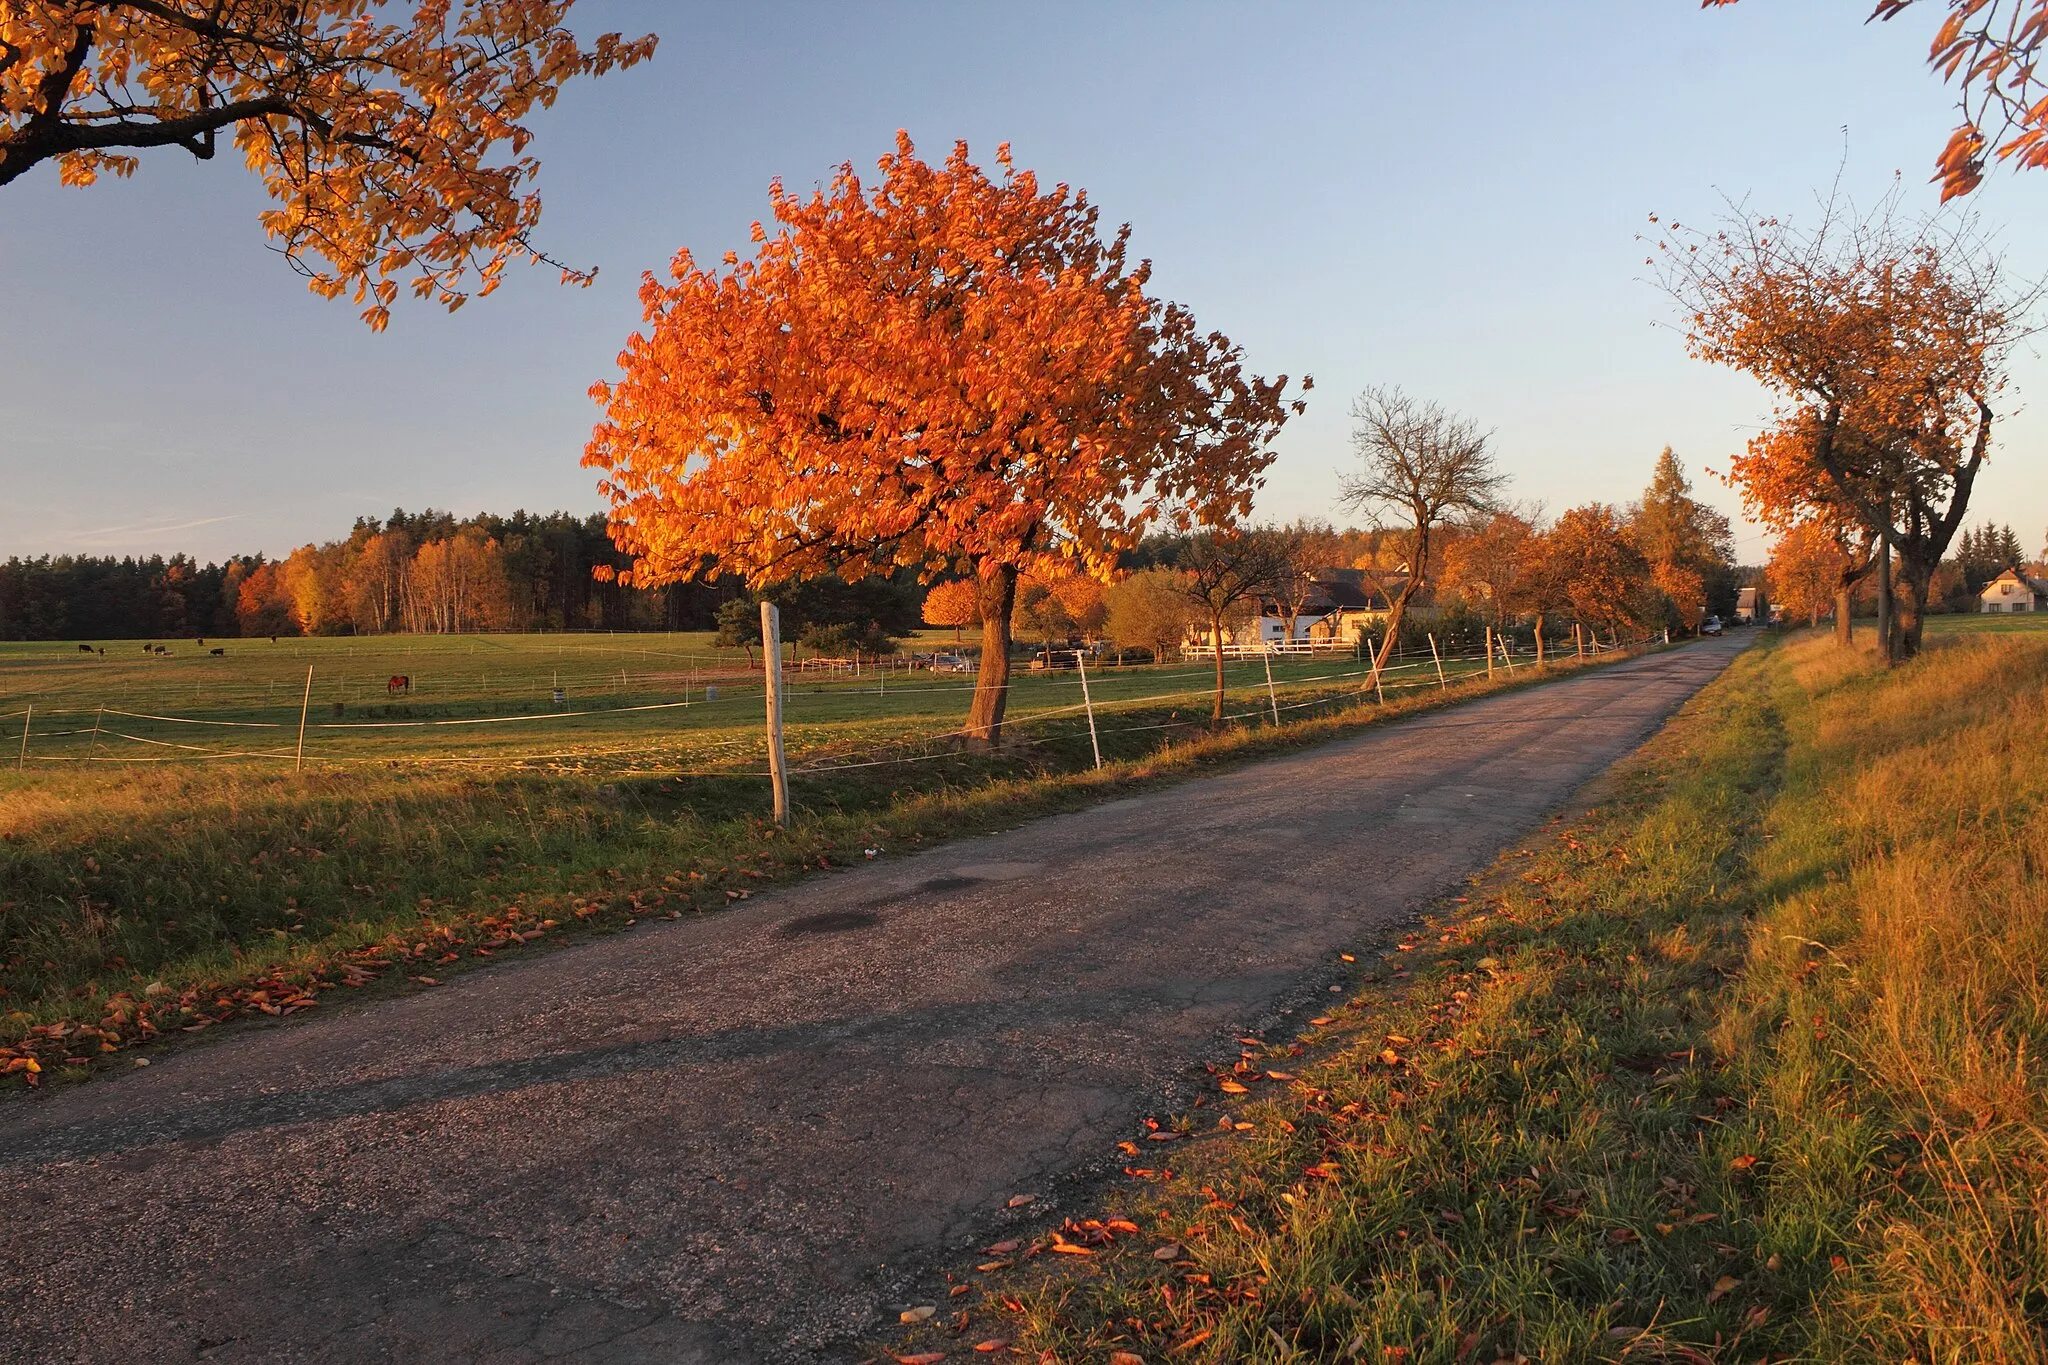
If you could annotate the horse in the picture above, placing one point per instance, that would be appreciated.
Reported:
(399, 682)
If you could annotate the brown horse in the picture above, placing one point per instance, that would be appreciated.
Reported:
(399, 682)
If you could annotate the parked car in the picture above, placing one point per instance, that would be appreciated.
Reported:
(952, 663)
(1055, 658)
(1711, 626)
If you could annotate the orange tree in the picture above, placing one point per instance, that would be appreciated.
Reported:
(1784, 487)
(377, 139)
(955, 603)
(1487, 562)
(950, 371)
(1597, 569)
(1991, 49)
(1897, 334)
(1807, 563)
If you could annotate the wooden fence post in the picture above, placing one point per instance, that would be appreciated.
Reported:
(299, 761)
(21, 761)
(1272, 698)
(771, 656)
(1489, 653)
(1088, 704)
(1441, 681)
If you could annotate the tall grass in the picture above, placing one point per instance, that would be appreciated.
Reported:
(1742, 1065)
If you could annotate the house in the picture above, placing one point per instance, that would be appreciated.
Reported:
(2013, 591)
(1342, 606)
(1746, 604)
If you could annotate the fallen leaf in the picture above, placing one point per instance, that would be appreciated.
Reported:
(987, 1266)
(1018, 1201)
(1125, 1358)
(1233, 1088)
(1742, 1163)
(1279, 1075)
(1390, 1057)
(1723, 1287)
(1161, 1136)
(1319, 1022)
(957, 1290)
(1192, 1342)
(922, 1358)
(1069, 1249)
(1169, 1252)
(1004, 1248)
(1398, 1041)
(992, 1344)
(1623, 1235)
(918, 1314)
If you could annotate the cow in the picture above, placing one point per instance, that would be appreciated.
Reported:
(163, 649)
(216, 652)
(85, 649)
(199, 642)
(399, 682)
(149, 649)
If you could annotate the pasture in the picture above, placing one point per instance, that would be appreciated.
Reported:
(631, 704)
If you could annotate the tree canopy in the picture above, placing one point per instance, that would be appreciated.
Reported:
(380, 140)
(951, 371)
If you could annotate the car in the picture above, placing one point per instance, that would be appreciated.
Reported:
(952, 663)
(1055, 658)
(1711, 626)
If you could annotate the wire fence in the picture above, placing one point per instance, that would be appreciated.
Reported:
(836, 721)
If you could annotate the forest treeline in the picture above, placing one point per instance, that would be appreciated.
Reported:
(425, 571)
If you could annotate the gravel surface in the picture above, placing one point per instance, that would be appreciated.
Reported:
(757, 1136)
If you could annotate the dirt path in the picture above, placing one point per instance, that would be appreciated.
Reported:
(743, 1138)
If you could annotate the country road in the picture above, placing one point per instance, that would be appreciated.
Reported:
(752, 1137)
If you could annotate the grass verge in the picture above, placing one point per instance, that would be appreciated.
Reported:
(137, 906)
(1743, 1064)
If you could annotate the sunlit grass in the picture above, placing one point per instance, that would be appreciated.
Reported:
(1743, 1065)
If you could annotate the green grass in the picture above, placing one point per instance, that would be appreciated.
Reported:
(1743, 1064)
(141, 899)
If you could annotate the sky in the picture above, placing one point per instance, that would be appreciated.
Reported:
(1443, 196)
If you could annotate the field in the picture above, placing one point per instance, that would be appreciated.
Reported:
(632, 704)
(165, 867)
(1743, 1064)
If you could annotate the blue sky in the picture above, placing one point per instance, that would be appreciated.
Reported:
(1444, 196)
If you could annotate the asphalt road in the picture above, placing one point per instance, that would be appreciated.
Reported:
(752, 1137)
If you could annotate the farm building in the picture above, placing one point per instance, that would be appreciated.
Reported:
(1342, 606)
(2013, 591)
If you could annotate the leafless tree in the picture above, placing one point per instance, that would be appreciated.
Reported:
(1222, 571)
(1420, 463)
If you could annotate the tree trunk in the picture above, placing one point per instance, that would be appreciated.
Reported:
(1216, 639)
(1909, 616)
(998, 584)
(1885, 646)
(1845, 626)
(1539, 639)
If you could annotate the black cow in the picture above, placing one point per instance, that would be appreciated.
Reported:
(216, 651)
(85, 649)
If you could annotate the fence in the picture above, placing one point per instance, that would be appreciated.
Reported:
(837, 720)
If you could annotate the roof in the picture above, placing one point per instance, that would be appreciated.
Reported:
(1350, 590)
(2016, 577)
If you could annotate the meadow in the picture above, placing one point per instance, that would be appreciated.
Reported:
(1742, 1063)
(166, 865)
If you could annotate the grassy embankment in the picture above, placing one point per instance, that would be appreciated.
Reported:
(1745, 1064)
(141, 901)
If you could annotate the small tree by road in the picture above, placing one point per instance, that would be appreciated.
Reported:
(1223, 574)
(1420, 463)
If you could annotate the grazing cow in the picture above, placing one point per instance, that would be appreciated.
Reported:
(199, 642)
(399, 682)
(273, 639)
(216, 651)
(149, 649)
(163, 649)
(85, 649)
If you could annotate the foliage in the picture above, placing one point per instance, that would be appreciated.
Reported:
(1886, 341)
(375, 139)
(1148, 610)
(1484, 565)
(1598, 571)
(1688, 544)
(1991, 49)
(1807, 564)
(1421, 463)
(1053, 607)
(952, 373)
(955, 602)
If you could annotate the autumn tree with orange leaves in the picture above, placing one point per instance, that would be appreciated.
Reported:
(955, 603)
(1594, 567)
(1894, 333)
(380, 141)
(949, 371)
(1806, 568)
(1991, 49)
(1784, 487)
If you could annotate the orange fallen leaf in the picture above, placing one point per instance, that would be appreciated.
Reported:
(1069, 1249)
(918, 1314)
(1125, 1358)
(1005, 1247)
(987, 1266)
(992, 1344)
(1623, 1235)
(1742, 1163)
(1233, 1088)
(922, 1358)
(1723, 1287)
(1319, 1021)
(1161, 1136)
(1018, 1201)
